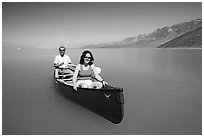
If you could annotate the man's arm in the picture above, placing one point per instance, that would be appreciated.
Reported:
(56, 63)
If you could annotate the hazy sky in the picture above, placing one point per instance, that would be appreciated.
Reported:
(49, 25)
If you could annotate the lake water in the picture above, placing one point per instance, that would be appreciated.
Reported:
(162, 88)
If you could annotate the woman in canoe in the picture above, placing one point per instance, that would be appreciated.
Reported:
(85, 74)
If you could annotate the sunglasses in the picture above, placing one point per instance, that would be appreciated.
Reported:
(87, 57)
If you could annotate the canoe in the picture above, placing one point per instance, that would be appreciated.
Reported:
(108, 101)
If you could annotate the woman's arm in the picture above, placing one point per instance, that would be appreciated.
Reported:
(74, 79)
(97, 76)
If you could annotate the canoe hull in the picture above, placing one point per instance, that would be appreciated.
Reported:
(107, 102)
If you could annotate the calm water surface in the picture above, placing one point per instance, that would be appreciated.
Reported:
(162, 87)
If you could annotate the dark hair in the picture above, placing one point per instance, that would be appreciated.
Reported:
(83, 55)
(62, 48)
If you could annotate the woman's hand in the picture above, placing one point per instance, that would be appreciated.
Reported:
(104, 82)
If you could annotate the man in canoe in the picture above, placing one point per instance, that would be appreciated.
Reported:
(62, 63)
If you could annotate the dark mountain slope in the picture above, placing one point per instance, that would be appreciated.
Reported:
(192, 39)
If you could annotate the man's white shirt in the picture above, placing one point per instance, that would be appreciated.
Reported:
(65, 60)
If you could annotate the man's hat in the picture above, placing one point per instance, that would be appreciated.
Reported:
(62, 48)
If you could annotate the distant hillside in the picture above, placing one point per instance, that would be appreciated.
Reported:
(192, 39)
(155, 38)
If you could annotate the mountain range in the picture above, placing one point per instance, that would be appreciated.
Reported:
(185, 34)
